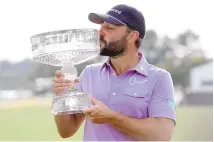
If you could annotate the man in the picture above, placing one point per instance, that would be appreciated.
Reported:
(132, 99)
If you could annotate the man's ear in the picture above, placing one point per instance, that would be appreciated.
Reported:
(133, 36)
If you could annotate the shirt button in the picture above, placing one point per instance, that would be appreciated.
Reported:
(135, 93)
(114, 73)
(114, 94)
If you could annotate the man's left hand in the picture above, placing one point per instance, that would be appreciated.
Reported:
(99, 113)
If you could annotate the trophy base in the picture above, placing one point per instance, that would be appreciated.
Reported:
(71, 102)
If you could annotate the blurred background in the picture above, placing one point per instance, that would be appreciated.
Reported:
(178, 40)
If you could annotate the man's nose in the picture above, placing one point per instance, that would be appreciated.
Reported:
(101, 32)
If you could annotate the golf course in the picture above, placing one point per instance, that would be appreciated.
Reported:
(30, 120)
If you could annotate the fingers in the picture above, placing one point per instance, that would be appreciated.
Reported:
(68, 85)
(59, 74)
(62, 80)
(58, 90)
(60, 83)
(90, 110)
(94, 101)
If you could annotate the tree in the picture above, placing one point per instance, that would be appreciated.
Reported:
(177, 55)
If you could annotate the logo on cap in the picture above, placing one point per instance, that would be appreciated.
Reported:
(117, 11)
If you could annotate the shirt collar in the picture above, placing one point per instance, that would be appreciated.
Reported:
(141, 67)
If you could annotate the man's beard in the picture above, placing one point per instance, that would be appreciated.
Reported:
(113, 49)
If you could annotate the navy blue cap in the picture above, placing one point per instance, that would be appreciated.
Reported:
(122, 15)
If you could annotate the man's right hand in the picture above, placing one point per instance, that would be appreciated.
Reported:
(60, 83)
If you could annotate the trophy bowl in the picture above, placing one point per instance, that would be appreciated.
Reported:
(67, 48)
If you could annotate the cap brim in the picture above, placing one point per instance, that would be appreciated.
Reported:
(99, 18)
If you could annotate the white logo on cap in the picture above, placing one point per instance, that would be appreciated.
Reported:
(115, 10)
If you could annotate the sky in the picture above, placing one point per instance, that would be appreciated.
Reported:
(20, 19)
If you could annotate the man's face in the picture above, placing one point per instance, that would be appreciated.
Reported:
(113, 40)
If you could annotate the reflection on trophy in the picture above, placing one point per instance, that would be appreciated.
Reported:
(67, 48)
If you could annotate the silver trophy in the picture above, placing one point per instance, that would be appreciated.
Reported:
(66, 48)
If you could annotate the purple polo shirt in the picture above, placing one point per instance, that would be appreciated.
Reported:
(142, 92)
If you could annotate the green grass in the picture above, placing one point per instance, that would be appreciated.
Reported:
(36, 123)
(194, 124)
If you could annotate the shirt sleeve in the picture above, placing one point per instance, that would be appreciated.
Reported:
(162, 99)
